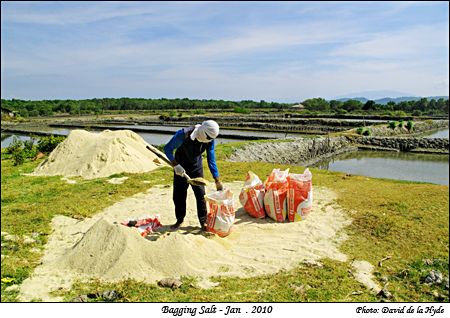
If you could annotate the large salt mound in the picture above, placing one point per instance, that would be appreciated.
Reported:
(101, 248)
(97, 155)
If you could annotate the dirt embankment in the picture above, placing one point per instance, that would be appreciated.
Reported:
(302, 151)
(307, 151)
(418, 128)
(405, 143)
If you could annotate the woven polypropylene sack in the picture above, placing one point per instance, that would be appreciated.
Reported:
(299, 196)
(252, 196)
(275, 196)
(221, 212)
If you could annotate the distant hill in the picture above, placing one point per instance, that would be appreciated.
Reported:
(374, 94)
(386, 100)
(361, 99)
(404, 99)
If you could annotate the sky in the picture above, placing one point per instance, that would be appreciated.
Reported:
(272, 51)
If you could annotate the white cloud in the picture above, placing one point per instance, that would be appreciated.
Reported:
(120, 52)
(79, 13)
(413, 59)
(407, 43)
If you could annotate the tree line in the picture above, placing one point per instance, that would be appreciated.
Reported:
(27, 108)
(416, 108)
(101, 105)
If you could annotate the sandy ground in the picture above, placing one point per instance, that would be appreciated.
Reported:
(100, 247)
(363, 274)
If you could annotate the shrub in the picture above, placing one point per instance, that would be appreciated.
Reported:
(29, 148)
(401, 123)
(398, 113)
(341, 111)
(48, 143)
(14, 146)
(18, 157)
(410, 125)
(392, 125)
(364, 131)
(367, 132)
(21, 150)
(199, 112)
(241, 110)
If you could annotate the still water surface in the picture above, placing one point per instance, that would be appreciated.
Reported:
(151, 138)
(391, 165)
(437, 134)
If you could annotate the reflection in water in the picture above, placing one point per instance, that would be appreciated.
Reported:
(391, 165)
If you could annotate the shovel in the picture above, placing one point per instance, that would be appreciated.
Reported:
(193, 181)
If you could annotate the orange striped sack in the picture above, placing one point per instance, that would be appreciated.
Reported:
(275, 197)
(221, 213)
(252, 196)
(300, 195)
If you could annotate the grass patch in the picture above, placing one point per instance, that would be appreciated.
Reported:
(302, 284)
(224, 151)
(29, 204)
(405, 220)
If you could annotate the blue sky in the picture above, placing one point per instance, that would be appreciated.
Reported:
(273, 51)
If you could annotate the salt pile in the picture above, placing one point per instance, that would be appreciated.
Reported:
(96, 155)
(100, 247)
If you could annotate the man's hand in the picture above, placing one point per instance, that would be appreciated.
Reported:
(179, 170)
(219, 186)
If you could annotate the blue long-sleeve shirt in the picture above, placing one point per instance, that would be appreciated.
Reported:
(178, 139)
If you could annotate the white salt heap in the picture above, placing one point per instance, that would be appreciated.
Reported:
(97, 155)
(100, 247)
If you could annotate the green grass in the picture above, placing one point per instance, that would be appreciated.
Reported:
(331, 283)
(224, 151)
(29, 203)
(404, 220)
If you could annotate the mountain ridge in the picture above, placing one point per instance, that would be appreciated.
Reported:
(386, 100)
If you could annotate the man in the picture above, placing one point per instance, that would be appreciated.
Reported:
(190, 143)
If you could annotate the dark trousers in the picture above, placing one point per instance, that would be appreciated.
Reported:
(180, 187)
